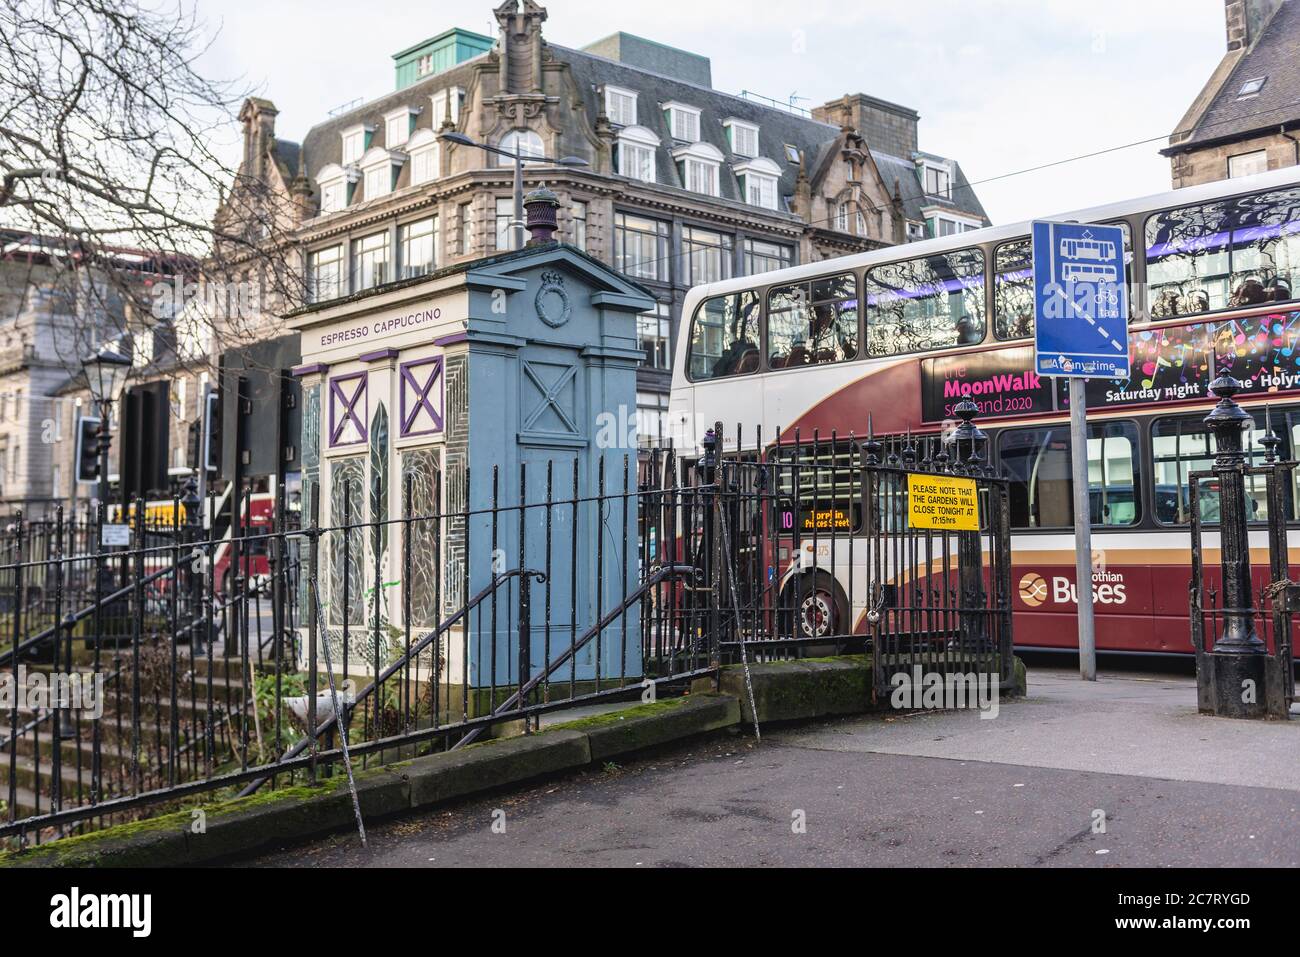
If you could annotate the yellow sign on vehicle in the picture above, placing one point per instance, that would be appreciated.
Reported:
(943, 502)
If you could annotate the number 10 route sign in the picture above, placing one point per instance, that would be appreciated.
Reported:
(1080, 301)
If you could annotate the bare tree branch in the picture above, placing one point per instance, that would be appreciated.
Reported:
(112, 163)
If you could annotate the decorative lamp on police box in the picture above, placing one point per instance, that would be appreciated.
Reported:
(539, 215)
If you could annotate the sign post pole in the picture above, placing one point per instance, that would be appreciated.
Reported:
(1081, 332)
(1082, 530)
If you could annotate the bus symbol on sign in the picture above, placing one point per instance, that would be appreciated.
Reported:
(1080, 301)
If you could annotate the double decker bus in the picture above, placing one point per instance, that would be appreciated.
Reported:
(894, 338)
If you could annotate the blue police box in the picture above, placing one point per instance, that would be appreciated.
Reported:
(1080, 301)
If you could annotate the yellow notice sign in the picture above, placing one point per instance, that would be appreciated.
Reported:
(942, 501)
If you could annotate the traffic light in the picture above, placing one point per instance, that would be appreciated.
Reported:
(87, 450)
(212, 454)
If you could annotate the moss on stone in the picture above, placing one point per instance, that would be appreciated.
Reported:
(614, 717)
(82, 846)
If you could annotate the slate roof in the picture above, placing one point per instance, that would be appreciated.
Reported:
(1275, 55)
(813, 138)
(323, 144)
(286, 155)
(776, 127)
(895, 168)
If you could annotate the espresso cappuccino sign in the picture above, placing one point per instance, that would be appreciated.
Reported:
(381, 326)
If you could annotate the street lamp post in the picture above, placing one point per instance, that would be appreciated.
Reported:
(517, 225)
(106, 373)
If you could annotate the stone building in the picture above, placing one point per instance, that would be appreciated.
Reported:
(54, 311)
(1246, 119)
(683, 183)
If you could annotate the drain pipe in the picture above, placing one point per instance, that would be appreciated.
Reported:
(1294, 142)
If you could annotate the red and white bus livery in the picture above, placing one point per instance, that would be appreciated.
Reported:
(896, 337)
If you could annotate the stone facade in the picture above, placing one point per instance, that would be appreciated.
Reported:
(52, 314)
(1247, 117)
(845, 178)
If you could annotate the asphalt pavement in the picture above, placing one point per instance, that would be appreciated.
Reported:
(1123, 772)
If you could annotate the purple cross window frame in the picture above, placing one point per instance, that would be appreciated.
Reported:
(340, 403)
(422, 379)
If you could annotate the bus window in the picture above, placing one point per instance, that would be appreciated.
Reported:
(812, 322)
(1038, 464)
(1013, 290)
(830, 490)
(1229, 253)
(929, 303)
(1013, 286)
(1180, 446)
(724, 337)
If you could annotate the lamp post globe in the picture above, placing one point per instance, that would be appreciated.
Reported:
(106, 373)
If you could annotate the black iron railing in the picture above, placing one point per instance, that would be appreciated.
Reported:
(287, 652)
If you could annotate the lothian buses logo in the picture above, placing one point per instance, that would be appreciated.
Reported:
(1108, 588)
(1033, 590)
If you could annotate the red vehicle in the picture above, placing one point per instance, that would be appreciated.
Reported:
(257, 519)
(894, 338)
(252, 546)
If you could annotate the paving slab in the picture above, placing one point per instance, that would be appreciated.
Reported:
(1125, 723)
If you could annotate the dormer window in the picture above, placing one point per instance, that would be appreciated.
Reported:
(936, 180)
(620, 106)
(636, 153)
(335, 184)
(424, 65)
(758, 182)
(440, 103)
(742, 137)
(398, 127)
(683, 121)
(698, 165)
(356, 140)
(422, 148)
(527, 142)
(380, 168)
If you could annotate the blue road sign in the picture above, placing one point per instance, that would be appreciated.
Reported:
(1080, 301)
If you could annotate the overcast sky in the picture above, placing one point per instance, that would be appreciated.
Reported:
(1001, 85)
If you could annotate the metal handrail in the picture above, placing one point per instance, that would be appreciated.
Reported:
(665, 571)
(350, 707)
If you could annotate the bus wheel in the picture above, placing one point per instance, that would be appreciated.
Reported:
(821, 611)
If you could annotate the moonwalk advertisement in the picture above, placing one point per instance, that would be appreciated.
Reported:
(1173, 364)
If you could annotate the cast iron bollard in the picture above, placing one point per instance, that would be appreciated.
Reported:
(1237, 660)
(970, 444)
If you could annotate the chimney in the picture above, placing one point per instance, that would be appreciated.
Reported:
(1245, 21)
(258, 119)
(539, 215)
(885, 126)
